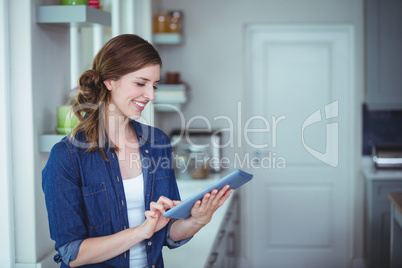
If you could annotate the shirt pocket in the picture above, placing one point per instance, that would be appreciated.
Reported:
(162, 174)
(162, 183)
(96, 205)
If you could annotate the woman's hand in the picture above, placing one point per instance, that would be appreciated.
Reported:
(154, 220)
(201, 214)
(202, 211)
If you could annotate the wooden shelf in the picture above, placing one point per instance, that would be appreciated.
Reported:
(73, 14)
(167, 38)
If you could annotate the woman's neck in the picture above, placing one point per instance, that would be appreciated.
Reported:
(120, 131)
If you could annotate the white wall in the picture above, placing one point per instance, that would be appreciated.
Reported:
(39, 81)
(211, 58)
(7, 222)
(50, 87)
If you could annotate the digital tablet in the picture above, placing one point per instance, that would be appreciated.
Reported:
(235, 179)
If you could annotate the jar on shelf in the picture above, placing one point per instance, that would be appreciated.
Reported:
(94, 3)
(175, 21)
(161, 23)
(74, 2)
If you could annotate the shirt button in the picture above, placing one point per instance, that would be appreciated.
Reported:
(122, 202)
(149, 243)
(125, 227)
(146, 151)
(118, 178)
(125, 254)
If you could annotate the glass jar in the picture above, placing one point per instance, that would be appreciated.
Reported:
(161, 23)
(175, 21)
(198, 161)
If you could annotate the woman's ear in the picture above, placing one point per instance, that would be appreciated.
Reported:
(108, 84)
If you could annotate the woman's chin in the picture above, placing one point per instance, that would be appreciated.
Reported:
(135, 116)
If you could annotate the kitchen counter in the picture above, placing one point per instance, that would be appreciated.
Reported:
(378, 184)
(396, 200)
(396, 229)
(371, 173)
(195, 252)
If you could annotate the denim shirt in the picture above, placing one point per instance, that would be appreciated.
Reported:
(85, 195)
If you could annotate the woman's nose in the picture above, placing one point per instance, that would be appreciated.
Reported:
(149, 93)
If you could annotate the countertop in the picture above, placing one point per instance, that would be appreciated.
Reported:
(396, 200)
(371, 173)
(196, 251)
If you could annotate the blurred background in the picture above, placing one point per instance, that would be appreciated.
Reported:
(304, 94)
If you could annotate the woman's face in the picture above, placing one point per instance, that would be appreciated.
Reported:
(132, 92)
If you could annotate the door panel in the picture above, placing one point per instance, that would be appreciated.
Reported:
(299, 80)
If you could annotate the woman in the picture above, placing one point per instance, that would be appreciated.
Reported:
(108, 183)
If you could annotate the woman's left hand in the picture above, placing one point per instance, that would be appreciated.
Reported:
(202, 211)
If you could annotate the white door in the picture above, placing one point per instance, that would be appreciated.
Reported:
(299, 95)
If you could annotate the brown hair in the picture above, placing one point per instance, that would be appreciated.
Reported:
(121, 55)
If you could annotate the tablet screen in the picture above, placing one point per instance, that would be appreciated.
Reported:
(235, 179)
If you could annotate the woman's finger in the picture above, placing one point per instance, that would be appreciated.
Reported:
(151, 214)
(220, 194)
(212, 199)
(166, 202)
(223, 199)
(223, 191)
(157, 207)
(176, 202)
(204, 200)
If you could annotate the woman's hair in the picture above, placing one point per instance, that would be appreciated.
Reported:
(121, 55)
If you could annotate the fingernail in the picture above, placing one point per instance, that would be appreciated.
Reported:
(227, 186)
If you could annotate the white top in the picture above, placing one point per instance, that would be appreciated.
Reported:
(134, 192)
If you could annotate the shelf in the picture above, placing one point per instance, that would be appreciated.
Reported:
(73, 14)
(47, 141)
(167, 39)
(163, 87)
(169, 97)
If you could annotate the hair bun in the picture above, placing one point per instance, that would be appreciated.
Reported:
(89, 82)
(89, 78)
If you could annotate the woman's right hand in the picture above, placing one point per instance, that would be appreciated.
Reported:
(154, 220)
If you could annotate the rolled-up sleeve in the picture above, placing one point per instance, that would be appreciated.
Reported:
(68, 252)
(172, 244)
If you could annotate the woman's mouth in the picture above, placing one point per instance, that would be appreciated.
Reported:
(139, 105)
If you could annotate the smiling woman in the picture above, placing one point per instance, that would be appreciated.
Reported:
(105, 195)
(115, 66)
(133, 91)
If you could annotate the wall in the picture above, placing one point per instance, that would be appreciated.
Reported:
(211, 58)
(210, 61)
(7, 222)
(50, 87)
(39, 79)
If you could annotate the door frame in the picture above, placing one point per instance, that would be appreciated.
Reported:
(6, 199)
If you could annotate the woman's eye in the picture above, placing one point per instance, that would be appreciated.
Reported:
(141, 85)
(155, 87)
